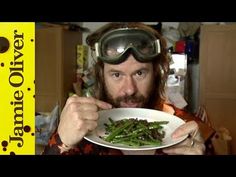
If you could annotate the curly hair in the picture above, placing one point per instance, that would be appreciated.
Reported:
(160, 63)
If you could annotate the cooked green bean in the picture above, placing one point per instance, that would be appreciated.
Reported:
(134, 132)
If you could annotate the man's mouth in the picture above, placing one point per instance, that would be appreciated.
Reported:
(129, 104)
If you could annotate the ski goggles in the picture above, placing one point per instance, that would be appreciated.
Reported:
(114, 46)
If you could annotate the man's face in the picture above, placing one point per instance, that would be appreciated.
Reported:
(128, 84)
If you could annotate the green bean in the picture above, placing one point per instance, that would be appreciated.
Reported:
(117, 131)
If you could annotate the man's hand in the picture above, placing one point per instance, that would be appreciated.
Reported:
(78, 117)
(193, 145)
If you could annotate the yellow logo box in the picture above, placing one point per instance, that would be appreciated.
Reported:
(17, 88)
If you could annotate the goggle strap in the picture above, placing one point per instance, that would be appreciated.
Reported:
(96, 49)
(158, 46)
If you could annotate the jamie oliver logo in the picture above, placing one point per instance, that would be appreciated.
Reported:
(17, 89)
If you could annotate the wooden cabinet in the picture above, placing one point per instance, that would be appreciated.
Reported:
(218, 76)
(55, 66)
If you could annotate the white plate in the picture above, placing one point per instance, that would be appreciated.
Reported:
(139, 113)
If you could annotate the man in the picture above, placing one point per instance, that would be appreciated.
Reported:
(131, 71)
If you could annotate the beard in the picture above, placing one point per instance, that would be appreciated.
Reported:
(144, 102)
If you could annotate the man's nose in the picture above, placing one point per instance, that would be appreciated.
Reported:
(129, 86)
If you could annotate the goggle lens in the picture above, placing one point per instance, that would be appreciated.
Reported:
(113, 45)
